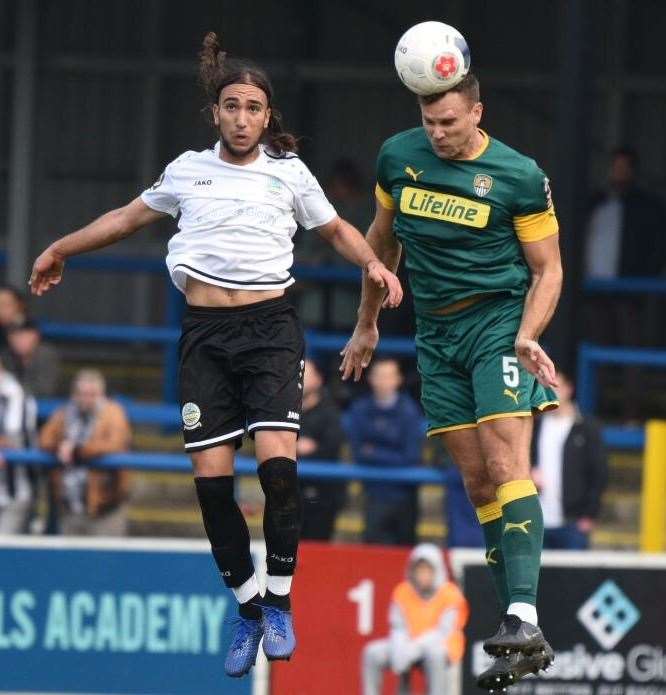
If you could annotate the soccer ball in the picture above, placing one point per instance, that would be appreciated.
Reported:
(431, 57)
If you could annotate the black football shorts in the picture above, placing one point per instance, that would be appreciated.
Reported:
(241, 370)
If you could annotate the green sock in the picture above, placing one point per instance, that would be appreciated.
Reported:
(490, 518)
(522, 539)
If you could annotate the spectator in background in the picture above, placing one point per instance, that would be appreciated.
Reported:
(626, 235)
(427, 615)
(347, 190)
(570, 471)
(12, 311)
(18, 421)
(91, 502)
(36, 365)
(385, 429)
(321, 437)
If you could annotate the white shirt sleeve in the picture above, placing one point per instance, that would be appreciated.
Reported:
(312, 208)
(14, 414)
(162, 195)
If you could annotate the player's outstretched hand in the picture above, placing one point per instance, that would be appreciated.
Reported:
(357, 353)
(46, 271)
(382, 276)
(534, 358)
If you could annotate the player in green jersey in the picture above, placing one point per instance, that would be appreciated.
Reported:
(477, 224)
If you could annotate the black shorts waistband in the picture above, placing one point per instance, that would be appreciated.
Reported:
(216, 312)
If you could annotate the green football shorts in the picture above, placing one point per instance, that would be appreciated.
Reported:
(469, 369)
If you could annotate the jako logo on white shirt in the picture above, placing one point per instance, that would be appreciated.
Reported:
(203, 182)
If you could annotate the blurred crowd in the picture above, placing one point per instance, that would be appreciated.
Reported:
(379, 425)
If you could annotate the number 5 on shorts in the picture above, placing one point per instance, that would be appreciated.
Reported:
(510, 371)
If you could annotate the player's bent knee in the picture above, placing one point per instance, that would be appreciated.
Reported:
(480, 490)
(504, 469)
(275, 443)
(218, 460)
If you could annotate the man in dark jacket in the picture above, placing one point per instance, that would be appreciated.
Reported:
(386, 429)
(321, 438)
(626, 235)
(570, 470)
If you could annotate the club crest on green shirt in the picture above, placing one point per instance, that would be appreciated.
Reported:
(482, 184)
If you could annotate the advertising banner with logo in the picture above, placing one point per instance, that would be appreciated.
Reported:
(604, 615)
(124, 616)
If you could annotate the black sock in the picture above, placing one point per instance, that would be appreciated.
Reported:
(281, 602)
(226, 529)
(282, 514)
(251, 609)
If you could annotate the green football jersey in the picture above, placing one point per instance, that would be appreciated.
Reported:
(461, 222)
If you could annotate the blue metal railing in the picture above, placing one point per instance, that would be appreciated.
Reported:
(168, 415)
(629, 285)
(325, 470)
(591, 356)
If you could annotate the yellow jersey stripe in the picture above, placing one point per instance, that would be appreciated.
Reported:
(450, 428)
(536, 227)
(489, 512)
(548, 405)
(498, 416)
(384, 198)
(515, 490)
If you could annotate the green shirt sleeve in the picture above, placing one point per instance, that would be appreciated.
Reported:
(383, 187)
(534, 214)
(533, 191)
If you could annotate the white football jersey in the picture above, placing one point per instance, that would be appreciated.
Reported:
(237, 222)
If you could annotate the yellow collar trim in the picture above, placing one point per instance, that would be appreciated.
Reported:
(482, 149)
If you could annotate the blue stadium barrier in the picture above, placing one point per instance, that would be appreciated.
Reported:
(615, 437)
(139, 413)
(180, 463)
(168, 415)
(630, 285)
(591, 356)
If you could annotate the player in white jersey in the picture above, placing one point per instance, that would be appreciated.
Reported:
(241, 350)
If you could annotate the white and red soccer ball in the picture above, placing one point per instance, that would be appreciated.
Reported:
(432, 57)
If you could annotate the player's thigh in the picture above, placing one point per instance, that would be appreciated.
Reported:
(464, 446)
(210, 394)
(272, 382)
(270, 444)
(214, 461)
(505, 445)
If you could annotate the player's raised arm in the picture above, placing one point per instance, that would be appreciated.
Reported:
(104, 231)
(350, 243)
(357, 353)
(543, 258)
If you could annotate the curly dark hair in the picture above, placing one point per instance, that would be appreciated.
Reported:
(216, 71)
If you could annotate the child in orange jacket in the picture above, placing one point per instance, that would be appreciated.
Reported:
(427, 615)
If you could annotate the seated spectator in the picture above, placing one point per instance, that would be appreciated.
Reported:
(427, 615)
(18, 420)
(12, 310)
(90, 501)
(570, 471)
(35, 364)
(321, 437)
(385, 430)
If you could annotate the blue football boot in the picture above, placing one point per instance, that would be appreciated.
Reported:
(244, 647)
(279, 638)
